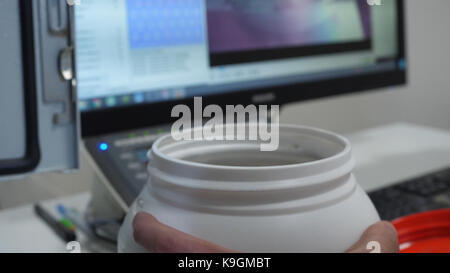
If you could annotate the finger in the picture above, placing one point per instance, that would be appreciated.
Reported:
(160, 238)
(383, 233)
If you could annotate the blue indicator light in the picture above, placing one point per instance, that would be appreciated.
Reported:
(103, 147)
(402, 64)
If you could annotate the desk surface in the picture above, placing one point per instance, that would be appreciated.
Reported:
(22, 231)
(390, 154)
(384, 155)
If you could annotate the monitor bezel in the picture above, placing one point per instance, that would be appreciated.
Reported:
(112, 120)
(32, 156)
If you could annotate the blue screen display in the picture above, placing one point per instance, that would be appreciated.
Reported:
(161, 23)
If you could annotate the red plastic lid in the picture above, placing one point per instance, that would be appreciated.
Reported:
(427, 232)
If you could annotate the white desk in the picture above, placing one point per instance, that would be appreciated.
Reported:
(22, 231)
(384, 155)
(396, 152)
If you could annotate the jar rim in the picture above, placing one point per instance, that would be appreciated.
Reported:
(171, 171)
(328, 135)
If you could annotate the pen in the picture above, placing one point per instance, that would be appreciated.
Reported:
(67, 223)
(63, 232)
(75, 219)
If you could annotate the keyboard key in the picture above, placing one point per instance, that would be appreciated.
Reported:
(142, 155)
(141, 176)
(443, 199)
(416, 195)
(126, 156)
(135, 166)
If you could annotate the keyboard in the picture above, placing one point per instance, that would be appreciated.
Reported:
(122, 158)
(428, 192)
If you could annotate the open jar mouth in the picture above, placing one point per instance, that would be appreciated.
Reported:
(308, 162)
(297, 145)
(305, 157)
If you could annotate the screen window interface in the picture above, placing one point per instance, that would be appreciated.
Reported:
(145, 51)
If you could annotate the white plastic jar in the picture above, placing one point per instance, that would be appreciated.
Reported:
(301, 198)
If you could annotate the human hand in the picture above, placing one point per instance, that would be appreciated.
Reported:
(157, 237)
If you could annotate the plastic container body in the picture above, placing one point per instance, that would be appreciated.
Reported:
(299, 198)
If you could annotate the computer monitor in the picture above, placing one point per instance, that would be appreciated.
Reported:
(136, 59)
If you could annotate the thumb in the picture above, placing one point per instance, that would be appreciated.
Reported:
(382, 233)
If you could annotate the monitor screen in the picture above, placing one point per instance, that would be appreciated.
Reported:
(132, 52)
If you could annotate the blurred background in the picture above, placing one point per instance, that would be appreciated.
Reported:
(425, 100)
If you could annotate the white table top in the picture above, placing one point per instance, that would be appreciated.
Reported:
(393, 153)
(21, 231)
(384, 155)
